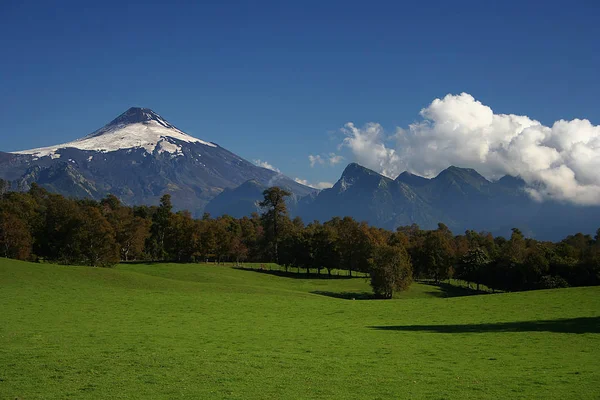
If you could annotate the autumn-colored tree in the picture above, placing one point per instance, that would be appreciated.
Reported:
(238, 250)
(15, 238)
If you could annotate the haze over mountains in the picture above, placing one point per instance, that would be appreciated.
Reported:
(139, 156)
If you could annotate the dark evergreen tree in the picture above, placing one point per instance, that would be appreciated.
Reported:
(160, 225)
(273, 217)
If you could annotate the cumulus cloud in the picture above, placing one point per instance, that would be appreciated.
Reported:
(266, 165)
(319, 185)
(331, 159)
(560, 162)
(369, 149)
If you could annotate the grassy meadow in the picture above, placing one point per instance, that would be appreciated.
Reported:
(206, 331)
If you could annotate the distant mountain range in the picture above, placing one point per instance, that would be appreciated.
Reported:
(139, 156)
(460, 198)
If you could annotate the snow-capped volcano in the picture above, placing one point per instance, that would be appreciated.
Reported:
(138, 157)
(135, 128)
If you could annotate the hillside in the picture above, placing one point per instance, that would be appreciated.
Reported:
(200, 331)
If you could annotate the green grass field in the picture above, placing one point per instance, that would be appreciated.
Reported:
(204, 331)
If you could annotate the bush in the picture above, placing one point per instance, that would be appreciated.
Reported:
(552, 282)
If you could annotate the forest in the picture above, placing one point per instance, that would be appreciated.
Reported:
(41, 226)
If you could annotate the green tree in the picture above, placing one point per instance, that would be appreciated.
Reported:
(515, 249)
(327, 252)
(438, 255)
(354, 244)
(390, 270)
(251, 234)
(471, 266)
(95, 239)
(182, 237)
(55, 239)
(131, 230)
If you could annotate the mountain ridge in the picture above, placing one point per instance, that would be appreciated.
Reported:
(138, 156)
(461, 198)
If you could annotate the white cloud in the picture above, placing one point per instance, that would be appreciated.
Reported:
(335, 159)
(369, 148)
(314, 160)
(320, 185)
(560, 162)
(331, 159)
(266, 165)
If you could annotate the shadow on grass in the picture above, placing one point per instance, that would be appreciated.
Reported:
(444, 290)
(297, 275)
(148, 262)
(567, 325)
(448, 290)
(347, 295)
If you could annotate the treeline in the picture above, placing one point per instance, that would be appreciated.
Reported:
(38, 225)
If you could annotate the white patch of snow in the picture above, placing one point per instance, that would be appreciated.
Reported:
(147, 135)
(166, 146)
(344, 185)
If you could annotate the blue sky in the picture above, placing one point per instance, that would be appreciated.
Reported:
(277, 81)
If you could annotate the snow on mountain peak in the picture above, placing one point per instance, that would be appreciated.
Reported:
(135, 128)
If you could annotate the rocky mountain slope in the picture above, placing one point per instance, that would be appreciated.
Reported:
(139, 156)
